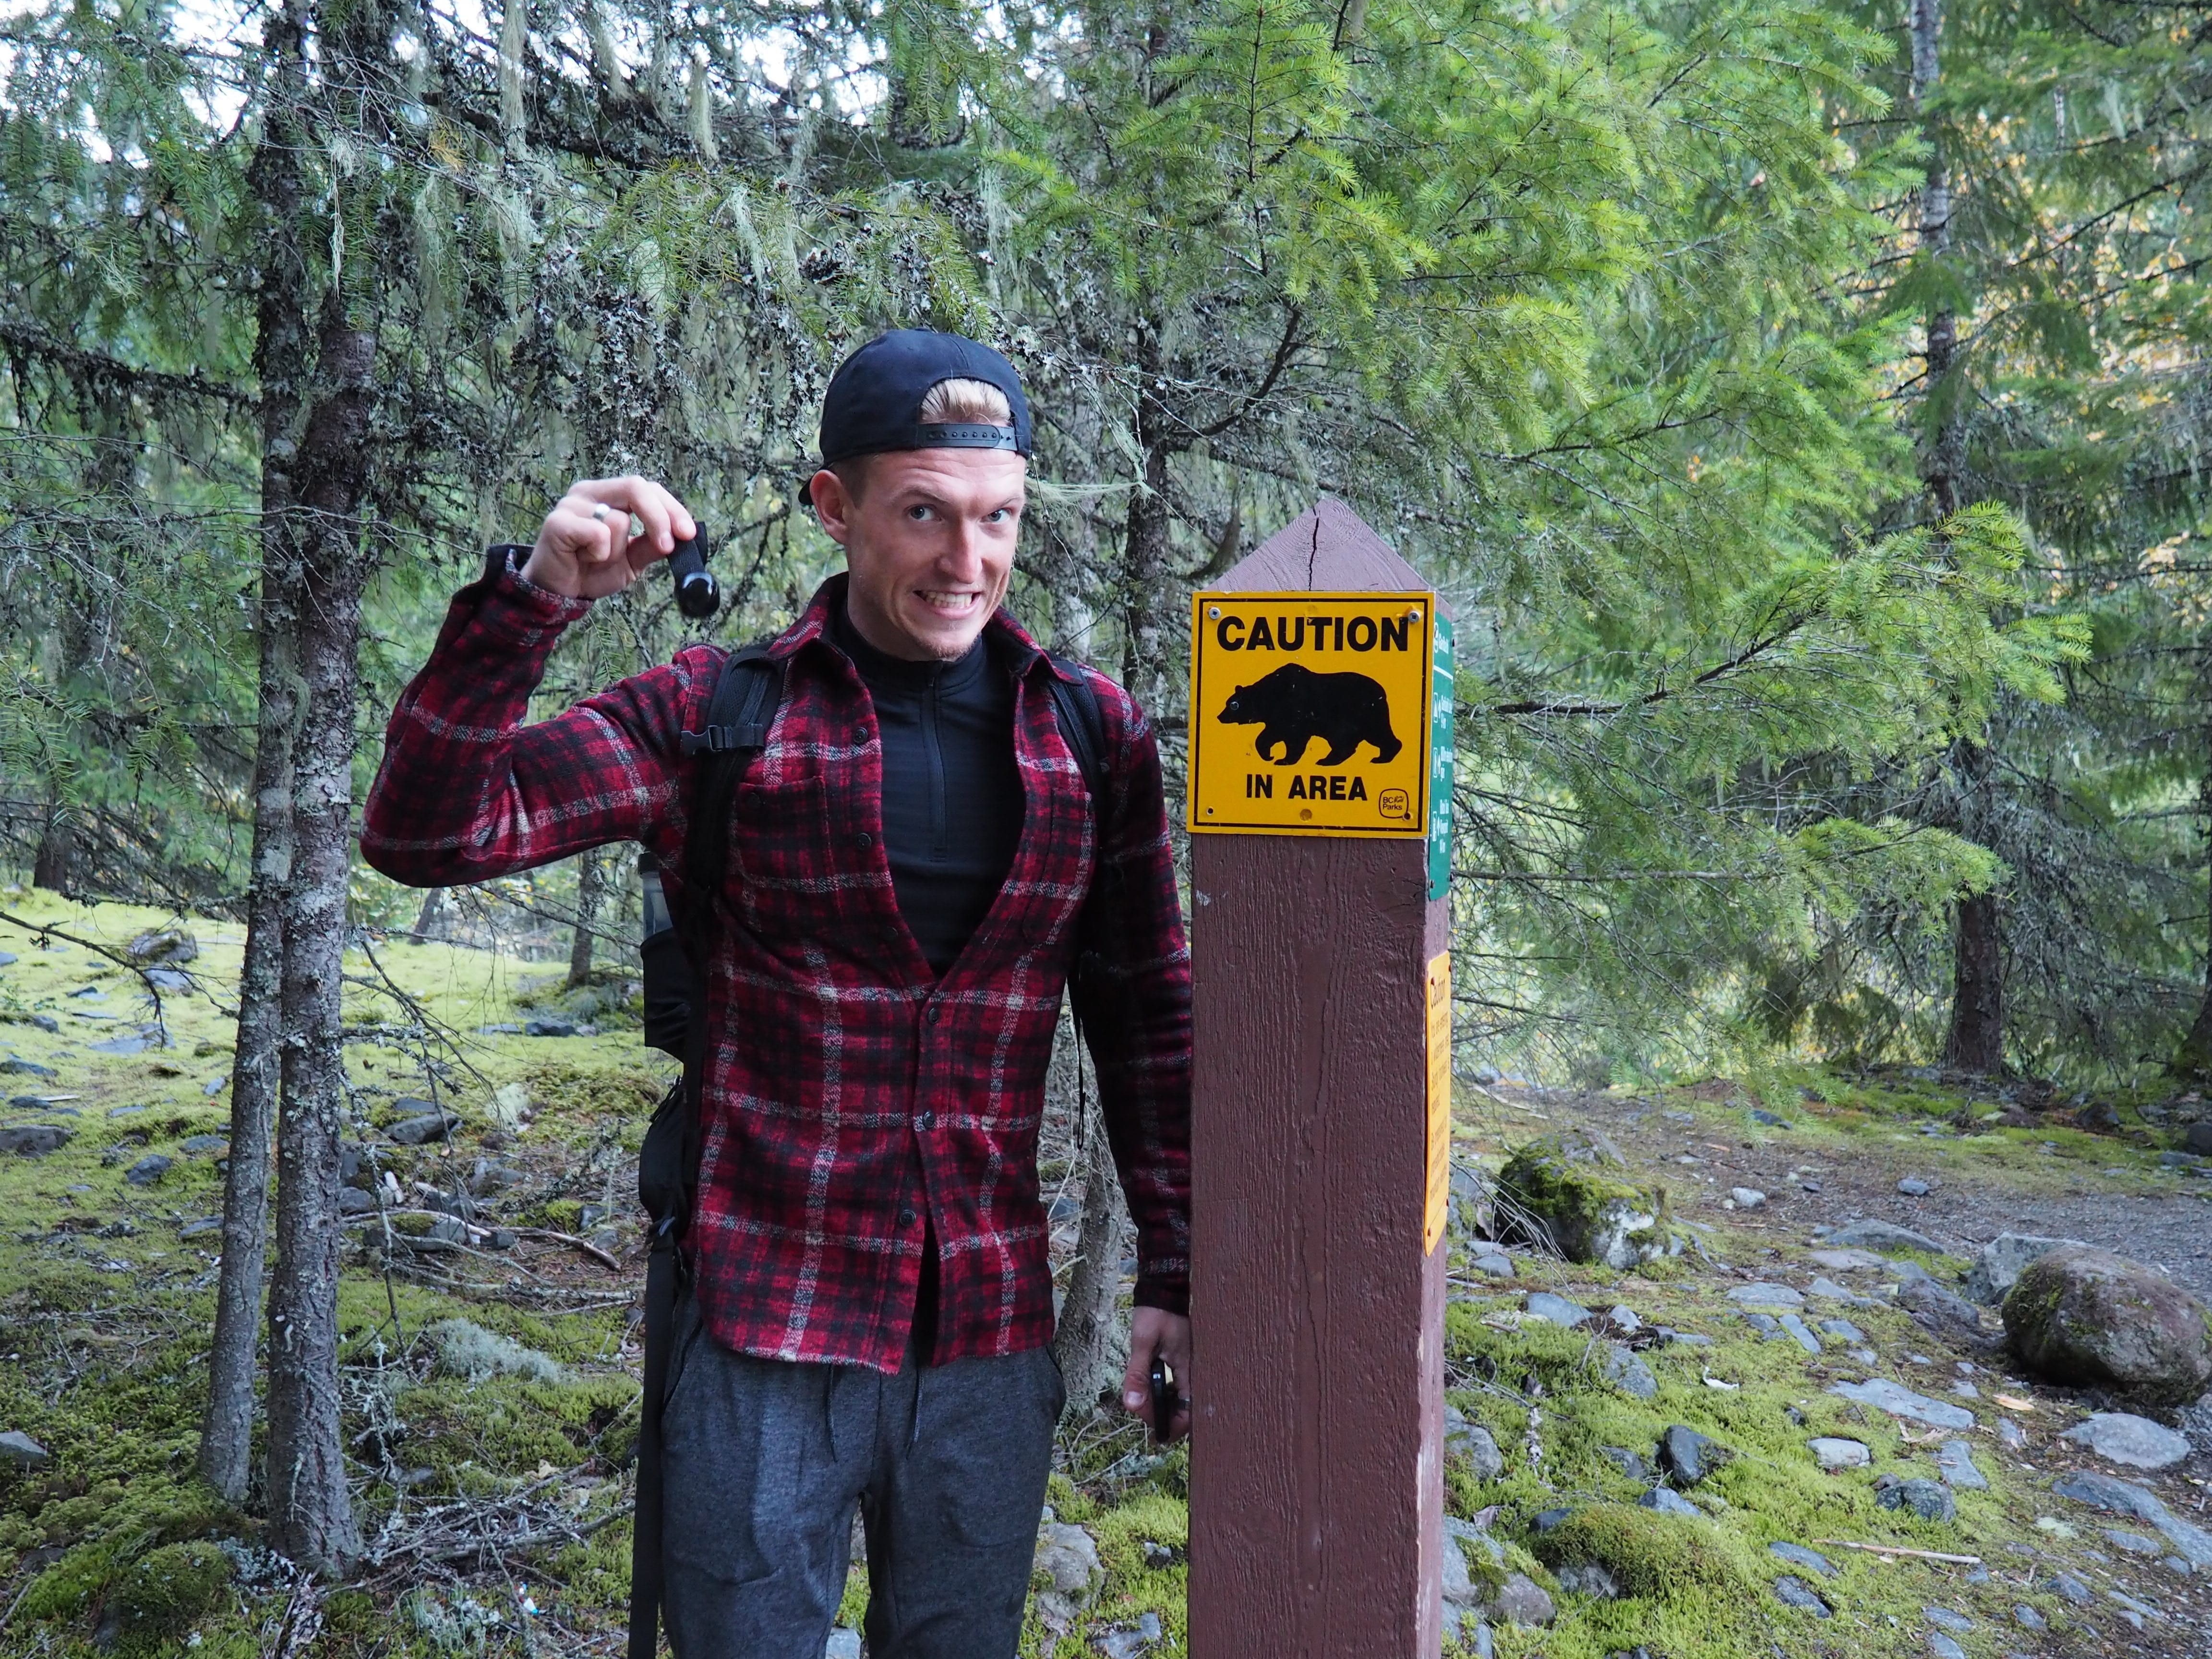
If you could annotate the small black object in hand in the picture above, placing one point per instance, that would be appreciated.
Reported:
(698, 595)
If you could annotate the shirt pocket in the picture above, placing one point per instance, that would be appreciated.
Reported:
(784, 867)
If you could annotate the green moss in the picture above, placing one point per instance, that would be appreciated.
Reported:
(1648, 1554)
(163, 1593)
(145, 1519)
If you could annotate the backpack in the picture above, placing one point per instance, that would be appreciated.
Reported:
(747, 694)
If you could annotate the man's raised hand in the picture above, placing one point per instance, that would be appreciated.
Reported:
(584, 549)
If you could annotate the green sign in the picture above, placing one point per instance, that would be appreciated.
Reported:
(1440, 760)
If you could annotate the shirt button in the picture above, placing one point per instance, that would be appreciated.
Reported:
(906, 1218)
(926, 1122)
(866, 840)
(933, 1015)
(860, 735)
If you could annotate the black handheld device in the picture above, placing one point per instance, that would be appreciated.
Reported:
(698, 593)
(1165, 1405)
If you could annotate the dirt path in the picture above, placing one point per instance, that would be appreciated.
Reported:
(2151, 1218)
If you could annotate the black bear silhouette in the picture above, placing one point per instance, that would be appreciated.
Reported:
(1293, 706)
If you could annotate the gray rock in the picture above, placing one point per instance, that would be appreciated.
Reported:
(1944, 1618)
(122, 1045)
(172, 946)
(1624, 1318)
(1589, 1578)
(352, 1200)
(1497, 1265)
(25, 1453)
(549, 1028)
(2191, 1543)
(203, 1226)
(2002, 1259)
(2010, 1435)
(2028, 1619)
(1843, 1330)
(1929, 1499)
(1478, 1639)
(843, 1644)
(415, 1131)
(2199, 1139)
(1805, 1339)
(1766, 1296)
(1828, 1291)
(1556, 1309)
(2134, 1543)
(1686, 1457)
(1882, 1236)
(2086, 1317)
(1067, 1556)
(1123, 1641)
(1551, 1520)
(1772, 1121)
(7, 958)
(1583, 1210)
(2071, 1588)
(1833, 1453)
(195, 1144)
(1669, 1502)
(1914, 1187)
(1475, 1444)
(16, 1065)
(1940, 1310)
(1900, 1402)
(1627, 1461)
(1845, 1261)
(148, 1169)
(1522, 1601)
(1798, 1556)
(1625, 1370)
(2120, 1437)
(1955, 1459)
(1765, 1324)
(1747, 1198)
(35, 1140)
(1793, 1591)
(1941, 1646)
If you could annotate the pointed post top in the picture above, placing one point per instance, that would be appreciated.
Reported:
(1326, 549)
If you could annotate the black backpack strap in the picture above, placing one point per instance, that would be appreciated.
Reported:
(743, 707)
(1082, 724)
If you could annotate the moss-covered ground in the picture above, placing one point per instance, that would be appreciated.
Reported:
(490, 1390)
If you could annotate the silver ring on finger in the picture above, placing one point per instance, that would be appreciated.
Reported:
(601, 512)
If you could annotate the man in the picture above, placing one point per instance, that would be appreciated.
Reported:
(916, 866)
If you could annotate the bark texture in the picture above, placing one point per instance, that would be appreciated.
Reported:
(591, 898)
(1090, 1344)
(310, 1511)
(280, 363)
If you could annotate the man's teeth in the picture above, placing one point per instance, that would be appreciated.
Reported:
(953, 604)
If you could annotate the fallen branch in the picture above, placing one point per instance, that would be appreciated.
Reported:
(583, 1244)
(1899, 1549)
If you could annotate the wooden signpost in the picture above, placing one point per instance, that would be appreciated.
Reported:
(1320, 800)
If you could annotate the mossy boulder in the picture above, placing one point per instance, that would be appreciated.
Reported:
(1563, 1189)
(161, 1595)
(2085, 1317)
(1646, 1553)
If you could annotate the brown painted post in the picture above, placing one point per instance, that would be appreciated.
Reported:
(1317, 1458)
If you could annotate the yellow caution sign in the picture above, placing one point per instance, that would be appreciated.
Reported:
(1309, 713)
(1440, 1136)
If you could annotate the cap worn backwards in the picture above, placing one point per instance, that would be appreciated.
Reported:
(874, 402)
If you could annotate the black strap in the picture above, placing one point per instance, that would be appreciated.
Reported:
(743, 707)
(1082, 724)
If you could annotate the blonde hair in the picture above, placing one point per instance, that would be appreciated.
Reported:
(966, 402)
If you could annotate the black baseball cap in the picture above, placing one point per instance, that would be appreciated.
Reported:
(874, 402)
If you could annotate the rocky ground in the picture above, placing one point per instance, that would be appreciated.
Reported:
(1799, 1437)
(1776, 1442)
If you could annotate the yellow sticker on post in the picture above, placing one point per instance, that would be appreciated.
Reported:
(1440, 1136)
(1309, 713)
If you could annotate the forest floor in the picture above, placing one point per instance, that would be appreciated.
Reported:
(490, 1304)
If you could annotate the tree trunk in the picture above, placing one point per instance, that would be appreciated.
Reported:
(430, 918)
(51, 864)
(1975, 1042)
(1090, 1344)
(1148, 622)
(310, 1512)
(591, 893)
(2193, 1062)
(279, 352)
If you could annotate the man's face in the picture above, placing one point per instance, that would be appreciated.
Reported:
(930, 544)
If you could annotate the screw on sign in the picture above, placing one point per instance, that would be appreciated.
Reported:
(1320, 786)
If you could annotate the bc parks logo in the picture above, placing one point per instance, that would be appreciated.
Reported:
(1369, 775)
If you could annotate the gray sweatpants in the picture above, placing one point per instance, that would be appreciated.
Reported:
(765, 1459)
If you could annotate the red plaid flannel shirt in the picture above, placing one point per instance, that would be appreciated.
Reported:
(851, 1095)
